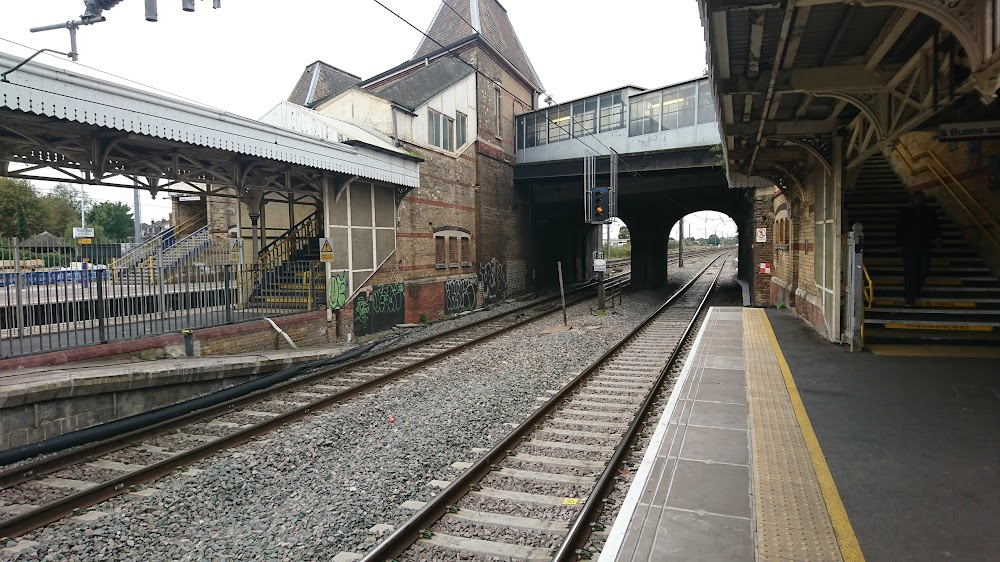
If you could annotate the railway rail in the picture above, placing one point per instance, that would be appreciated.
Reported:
(81, 477)
(565, 458)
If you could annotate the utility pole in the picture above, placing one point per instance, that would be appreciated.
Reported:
(680, 245)
(83, 205)
(136, 214)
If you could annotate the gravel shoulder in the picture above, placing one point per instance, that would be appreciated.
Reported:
(317, 487)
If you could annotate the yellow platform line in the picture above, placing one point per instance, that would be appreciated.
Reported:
(846, 539)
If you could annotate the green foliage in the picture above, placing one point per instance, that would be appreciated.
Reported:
(423, 318)
(18, 201)
(60, 210)
(623, 233)
(111, 221)
(713, 240)
(619, 252)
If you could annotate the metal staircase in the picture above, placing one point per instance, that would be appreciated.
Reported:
(143, 261)
(960, 302)
(288, 274)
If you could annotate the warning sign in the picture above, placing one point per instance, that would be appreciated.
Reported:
(325, 250)
(236, 250)
(762, 234)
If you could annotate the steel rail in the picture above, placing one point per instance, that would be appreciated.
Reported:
(20, 524)
(409, 532)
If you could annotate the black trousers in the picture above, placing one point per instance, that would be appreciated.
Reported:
(916, 265)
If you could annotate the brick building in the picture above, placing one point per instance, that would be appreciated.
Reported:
(460, 237)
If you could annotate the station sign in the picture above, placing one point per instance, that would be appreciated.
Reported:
(236, 250)
(600, 265)
(80, 232)
(963, 131)
(325, 250)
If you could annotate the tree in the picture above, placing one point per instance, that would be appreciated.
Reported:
(623, 233)
(19, 210)
(713, 240)
(60, 210)
(114, 221)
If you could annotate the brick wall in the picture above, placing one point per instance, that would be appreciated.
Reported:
(763, 252)
(973, 163)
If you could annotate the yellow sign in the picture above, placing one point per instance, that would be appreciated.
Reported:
(85, 240)
(236, 250)
(571, 501)
(325, 250)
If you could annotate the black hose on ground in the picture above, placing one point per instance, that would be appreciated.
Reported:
(146, 419)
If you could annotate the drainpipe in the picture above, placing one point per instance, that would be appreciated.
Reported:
(395, 130)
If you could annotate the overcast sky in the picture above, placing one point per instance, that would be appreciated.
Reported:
(245, 57)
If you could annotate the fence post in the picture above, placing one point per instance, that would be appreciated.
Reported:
(101, 328)
(17, 289)
(227, 300)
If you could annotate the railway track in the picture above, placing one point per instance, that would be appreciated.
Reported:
(545, 485)
(46, 490)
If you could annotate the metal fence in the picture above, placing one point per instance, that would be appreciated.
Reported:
(64, 295)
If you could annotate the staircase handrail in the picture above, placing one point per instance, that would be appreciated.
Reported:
(868, 295)
(909, 159)
(188, 246)
(149, 246)
(278, 251)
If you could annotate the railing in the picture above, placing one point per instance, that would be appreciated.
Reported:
(276, 253)
(51, 299)
(868, 292)
(151, 246)
(980, 216)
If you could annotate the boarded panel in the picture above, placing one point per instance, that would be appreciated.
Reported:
(361, 204)
(385, 243)
(385, 206)
(361, 245)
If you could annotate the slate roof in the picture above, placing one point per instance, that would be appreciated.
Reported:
(416, 88)
(320, 81)
(486, 18)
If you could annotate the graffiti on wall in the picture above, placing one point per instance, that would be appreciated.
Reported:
(381, 310)
(459, 295)
(493, 275)
(337, 290)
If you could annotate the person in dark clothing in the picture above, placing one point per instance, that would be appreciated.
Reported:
(916, 232)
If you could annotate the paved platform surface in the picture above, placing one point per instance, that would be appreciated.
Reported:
(778, 445)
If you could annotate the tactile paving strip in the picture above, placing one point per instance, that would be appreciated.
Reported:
(792, 520)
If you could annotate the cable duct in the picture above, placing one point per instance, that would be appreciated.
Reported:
(139, 421)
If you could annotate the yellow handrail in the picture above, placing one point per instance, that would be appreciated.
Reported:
(909, 159)
(282, 249)
(868, 295)
(868, 290)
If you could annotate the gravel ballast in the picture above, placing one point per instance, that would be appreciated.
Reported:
(315, 488)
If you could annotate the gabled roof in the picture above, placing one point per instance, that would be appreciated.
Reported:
(320, 81)
(416, 88)
(456, 20)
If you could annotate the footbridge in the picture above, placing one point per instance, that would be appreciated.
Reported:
(666, 145)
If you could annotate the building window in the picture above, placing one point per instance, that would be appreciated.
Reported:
(686, 103)
(466, 252)
(559, 121)
(706, 106)
(440, 130)
(439, 259)
(612, 110)
(644, 114)
(461, 128)
(496, 106)
(584, 117)
(453, 251)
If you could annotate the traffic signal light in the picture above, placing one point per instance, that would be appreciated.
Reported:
(599, 211)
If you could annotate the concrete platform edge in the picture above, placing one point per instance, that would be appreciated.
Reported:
(616, 537)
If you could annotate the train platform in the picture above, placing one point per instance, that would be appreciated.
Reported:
(778, 445)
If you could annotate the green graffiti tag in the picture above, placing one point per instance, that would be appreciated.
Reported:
(337, 291)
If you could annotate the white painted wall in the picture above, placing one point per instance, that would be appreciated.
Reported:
(459, 97)
(360, 107)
